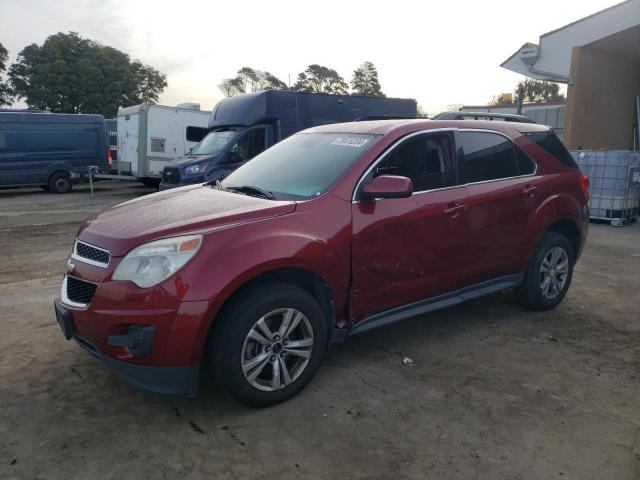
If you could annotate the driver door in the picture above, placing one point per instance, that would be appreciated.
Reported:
(410, 249)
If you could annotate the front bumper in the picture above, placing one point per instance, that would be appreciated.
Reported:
(163, 380)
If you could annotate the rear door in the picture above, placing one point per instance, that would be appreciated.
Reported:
(503, 189)
(409, 249)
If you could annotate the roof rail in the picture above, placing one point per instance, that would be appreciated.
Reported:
(506, 117)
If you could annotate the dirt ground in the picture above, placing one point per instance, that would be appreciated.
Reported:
(495, 391)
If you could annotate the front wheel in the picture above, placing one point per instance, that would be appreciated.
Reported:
(549, 273)
(267, 344)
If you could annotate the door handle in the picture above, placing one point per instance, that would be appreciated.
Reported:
(530, 190)
(453, 209)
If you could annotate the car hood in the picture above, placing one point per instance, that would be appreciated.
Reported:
(194, 208)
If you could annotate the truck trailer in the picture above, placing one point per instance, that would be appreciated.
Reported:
(241, 127)
(150, 135)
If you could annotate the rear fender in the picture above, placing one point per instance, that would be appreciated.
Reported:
(554, 208)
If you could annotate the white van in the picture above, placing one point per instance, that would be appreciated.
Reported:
(150, 135)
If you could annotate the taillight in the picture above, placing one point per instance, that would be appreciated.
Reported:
(584, 186)
(109, 159)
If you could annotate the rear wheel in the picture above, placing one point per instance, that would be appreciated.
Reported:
(60, 182)
(151, 182)
(549, 273)
(267, 344)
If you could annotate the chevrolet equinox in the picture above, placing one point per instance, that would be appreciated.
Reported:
(334, 231)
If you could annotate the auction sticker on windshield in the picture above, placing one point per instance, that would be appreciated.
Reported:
(350, 141)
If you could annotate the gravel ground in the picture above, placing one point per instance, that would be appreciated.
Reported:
(495, 391)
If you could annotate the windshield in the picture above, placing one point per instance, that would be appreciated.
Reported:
(302, 166)
(214, 142)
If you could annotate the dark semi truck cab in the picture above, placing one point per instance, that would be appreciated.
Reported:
(241, 127)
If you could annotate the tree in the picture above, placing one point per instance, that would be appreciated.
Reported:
(454, 107)
(5, 89)
(231, 87)
(320, 79)
(538, 91)
(68, 73)
(365, 81)
(250, 80)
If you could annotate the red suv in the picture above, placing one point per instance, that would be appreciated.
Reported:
(334, 231)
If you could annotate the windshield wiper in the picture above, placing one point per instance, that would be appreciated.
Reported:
(252, 189)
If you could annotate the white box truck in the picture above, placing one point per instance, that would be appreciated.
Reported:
(150, 135)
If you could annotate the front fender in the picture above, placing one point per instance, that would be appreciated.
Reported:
(229, 258)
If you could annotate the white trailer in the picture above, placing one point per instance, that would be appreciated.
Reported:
(150, 135)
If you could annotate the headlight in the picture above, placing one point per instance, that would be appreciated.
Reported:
(193, 169)
(151, 263)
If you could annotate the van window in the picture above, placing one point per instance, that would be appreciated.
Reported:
(552, 145)
(426, 159)
(487, 156)
(250, 144)
(49, 140)
(214, 142)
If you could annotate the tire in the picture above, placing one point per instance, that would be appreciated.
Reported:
(151, 182)
(548, 276)
(60, 182)
(234, 357)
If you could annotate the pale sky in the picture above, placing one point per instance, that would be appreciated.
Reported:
(436, 52)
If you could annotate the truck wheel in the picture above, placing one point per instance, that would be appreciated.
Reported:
(267, 344)
(60, 182)
(549, 273)
(151, 182)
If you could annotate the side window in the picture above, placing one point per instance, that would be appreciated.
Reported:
(426, 159)
(525, 164)
(552, 145)
(250, 144)
(487, 156)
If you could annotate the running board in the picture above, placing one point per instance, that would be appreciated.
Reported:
(436, 303)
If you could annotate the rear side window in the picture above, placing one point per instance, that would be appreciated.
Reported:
(487, 156)
(525, 164)
(552, 145)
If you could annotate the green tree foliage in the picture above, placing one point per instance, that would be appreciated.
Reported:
(5, 90)
(365, 81)
(250, 80)
(538, 91)
(68, 73)
(320, 79)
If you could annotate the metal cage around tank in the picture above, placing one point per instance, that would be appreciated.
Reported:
(615, 183)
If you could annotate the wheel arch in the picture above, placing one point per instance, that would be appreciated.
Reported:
(569, 229)
(306, 279)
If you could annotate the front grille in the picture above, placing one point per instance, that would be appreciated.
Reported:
(90, 252)
(80, 291)
(170, 175)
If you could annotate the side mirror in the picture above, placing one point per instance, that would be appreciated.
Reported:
(196, 134)
(388, 186)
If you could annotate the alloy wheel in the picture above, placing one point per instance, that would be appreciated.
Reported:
(554, 272)
(277, 349)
